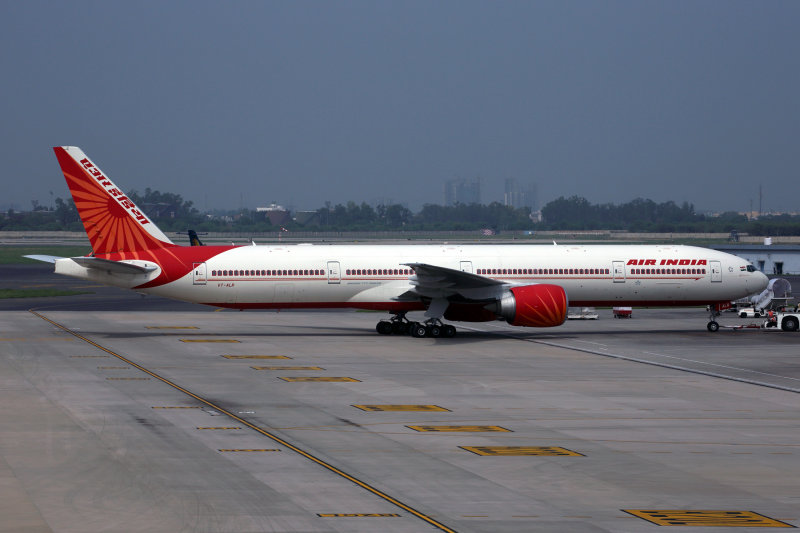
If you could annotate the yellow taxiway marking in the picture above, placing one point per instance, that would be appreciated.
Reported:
(255, 357)
(287, 368)
(459, 428)
(172, 327)
(401, 408)
(262, 431)
(520, 450)
(358, 515)
(685, 517)
(320, 379)
(210, 340)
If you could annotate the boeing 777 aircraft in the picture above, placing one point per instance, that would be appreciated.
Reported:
(525, 285)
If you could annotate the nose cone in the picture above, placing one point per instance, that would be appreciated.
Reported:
(759, 281)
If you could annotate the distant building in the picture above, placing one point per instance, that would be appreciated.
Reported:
(276, 214)
(307, 218)
(516, 196)
(462, 191)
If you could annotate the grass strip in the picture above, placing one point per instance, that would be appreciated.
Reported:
(12, 255)
(37, 293)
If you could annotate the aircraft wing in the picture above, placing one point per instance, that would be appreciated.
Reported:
(117, 267)
(441, 282)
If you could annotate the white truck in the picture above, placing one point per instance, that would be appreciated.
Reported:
(787, 321)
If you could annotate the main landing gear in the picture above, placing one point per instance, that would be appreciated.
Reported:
(399, 325)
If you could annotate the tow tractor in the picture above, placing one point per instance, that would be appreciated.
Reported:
(787, 321)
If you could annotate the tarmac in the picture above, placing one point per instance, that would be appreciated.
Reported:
(126, 413)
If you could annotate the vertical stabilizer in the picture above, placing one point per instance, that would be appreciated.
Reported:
(113, 223)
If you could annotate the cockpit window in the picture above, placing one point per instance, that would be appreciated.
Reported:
(751, 268)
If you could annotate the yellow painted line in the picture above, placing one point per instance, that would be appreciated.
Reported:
(358, 515)
(685, 517)
(176, 407)
(249, 450)
(223, 427)
(475, 429)
(273, 437)
(320, 379)
(401, 408)
(287, 368)
(11, 339)
(172, 327)
(210, 340)
(521, 450)
(255, 357)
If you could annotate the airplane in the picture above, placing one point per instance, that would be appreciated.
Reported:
(526, 285)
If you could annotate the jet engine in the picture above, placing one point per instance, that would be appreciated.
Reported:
(539, 306)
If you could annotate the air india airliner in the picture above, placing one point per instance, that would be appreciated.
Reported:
(525, 285)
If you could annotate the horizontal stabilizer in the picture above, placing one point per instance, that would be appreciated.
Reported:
(45, 258)
(116, 267)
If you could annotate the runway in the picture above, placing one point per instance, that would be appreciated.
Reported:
(124, 413)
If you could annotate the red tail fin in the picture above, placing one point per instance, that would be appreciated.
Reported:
(113, 223)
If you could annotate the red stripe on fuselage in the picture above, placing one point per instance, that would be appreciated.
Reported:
(175, 262)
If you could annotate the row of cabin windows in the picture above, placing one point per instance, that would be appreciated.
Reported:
(543, 271)
(379, 272)
(668, 271)
(267, 272)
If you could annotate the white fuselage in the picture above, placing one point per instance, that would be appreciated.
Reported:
(374, 276)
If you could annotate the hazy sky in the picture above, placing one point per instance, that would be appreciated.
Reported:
(231, 103)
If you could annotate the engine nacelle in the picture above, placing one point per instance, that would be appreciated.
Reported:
(538, 306)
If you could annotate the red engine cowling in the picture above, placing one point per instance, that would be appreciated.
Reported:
(539, 306)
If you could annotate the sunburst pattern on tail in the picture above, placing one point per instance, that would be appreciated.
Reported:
(112, 221)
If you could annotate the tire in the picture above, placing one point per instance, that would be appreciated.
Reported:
(418, 330)
(712, 326)
(449, 331)
(743, 315)
(789, 324)
(383, 327)
(400, 328)
(435, 331)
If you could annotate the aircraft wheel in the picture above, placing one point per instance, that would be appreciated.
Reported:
(418, 330)
(742, 315)
(449, 331)
(434, 331)
(789, 324)
(712, 326)
(400, 328)
(383, 327)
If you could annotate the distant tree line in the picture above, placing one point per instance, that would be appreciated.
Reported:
(172, 213)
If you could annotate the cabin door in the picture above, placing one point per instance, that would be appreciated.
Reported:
(466, 266)
(716, 271)
(198, 273)
(334, 273)
(619, 271)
